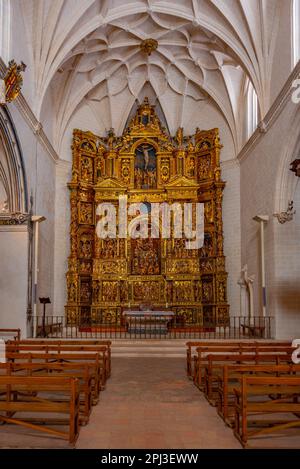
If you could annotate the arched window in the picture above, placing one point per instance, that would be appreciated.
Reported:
(295, 32)
(5, 30)
(252, 109)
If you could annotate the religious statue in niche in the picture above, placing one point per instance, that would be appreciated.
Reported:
(222, 292)
(169, 292)
(145, 256)
(96, 292)
(72, 292)
(86, 246)
(204, 168)
(208, 212)
(145, 167)
(179, 139)
(180, 250)
(191, 167)
(197, 291)
(123, 291)
(85, 267)
(100, 168)
(110, 291)
(87, 169)
(146, 291)
(85, 292)
(208, 246)
(207, 292)
(109, 248)
(179, 247)
(183, 292)
(86, 213)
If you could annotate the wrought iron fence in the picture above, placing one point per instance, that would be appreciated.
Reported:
(157, 326)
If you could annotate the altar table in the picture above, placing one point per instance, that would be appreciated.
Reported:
(143, 322)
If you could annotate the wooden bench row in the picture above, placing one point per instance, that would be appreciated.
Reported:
(31, 387)
(230, 378)
(214, 366)
(44, 377)
(253, 398)
(253, 353)
(239, 345)
(10, 333)
(256, 389)
(101, 346)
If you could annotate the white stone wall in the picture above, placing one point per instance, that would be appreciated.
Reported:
(232, 232)
(62, 235)
(40, 176)
(262, 192)
(281, 65)
(13, 277)
(287, 278)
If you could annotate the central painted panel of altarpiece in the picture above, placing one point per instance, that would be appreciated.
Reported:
(107, 276)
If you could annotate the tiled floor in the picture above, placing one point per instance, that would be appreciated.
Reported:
(150, 403)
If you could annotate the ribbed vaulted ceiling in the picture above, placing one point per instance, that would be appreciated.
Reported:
(88, 51)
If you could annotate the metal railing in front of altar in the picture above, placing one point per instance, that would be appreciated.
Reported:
(148, 327)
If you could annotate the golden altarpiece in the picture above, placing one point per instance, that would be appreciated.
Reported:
(106, 276)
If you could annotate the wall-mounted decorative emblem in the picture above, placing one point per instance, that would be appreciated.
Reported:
(11, 83)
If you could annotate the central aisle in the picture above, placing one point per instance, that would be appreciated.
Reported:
(150, 403)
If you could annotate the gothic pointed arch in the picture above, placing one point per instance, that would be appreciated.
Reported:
(13, 189)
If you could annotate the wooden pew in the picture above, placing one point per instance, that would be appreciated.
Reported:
(286, 401)
(42, 358)
(191, 346)
(60, 349)
(230, 378)
(215, 363)
(82, 371)
(35, 387)
(203, 352)
(7, 333)
(75, 342)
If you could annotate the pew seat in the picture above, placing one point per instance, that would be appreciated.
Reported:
(215, 363)
(230, 377)
(27, 395)
(258, 398)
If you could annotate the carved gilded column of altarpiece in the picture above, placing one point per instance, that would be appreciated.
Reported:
(106, 276)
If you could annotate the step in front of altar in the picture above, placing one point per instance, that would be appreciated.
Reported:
(148, 348)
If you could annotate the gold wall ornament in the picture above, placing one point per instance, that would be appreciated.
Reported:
(148, 46)
(13, 81)
(105, 276)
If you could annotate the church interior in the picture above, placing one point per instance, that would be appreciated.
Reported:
(149, 224)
